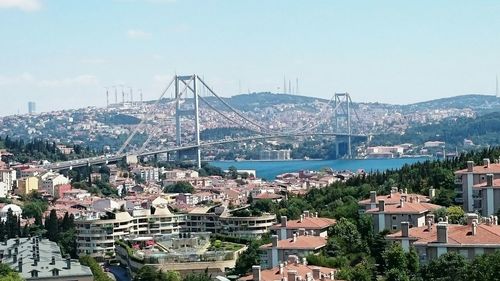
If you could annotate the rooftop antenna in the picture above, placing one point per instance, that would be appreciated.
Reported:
(107, 97)
(123, 95)
(284, 84)
(496, 86)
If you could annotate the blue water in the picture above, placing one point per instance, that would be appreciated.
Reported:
(270, 169)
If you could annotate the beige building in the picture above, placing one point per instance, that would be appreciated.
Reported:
(392, 198)
(49, 181)
(433, 240)
(27, 185)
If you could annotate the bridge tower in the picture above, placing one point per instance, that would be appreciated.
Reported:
(342, 124)
(187, 106)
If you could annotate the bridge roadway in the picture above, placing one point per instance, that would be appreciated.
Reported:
(114, 158)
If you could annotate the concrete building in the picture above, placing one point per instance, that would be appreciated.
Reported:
(246, 226)
(476, 190)
(308, 222)
(41, 259)
(408, 210)
(433, 240)
(96, 235)
(300, 246)
(283, 154)
(49, 181)
(27, 185)
(31, 107)
(9, 177)
(147, 174)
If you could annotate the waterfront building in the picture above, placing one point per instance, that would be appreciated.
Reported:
(40, 259)
(432, 240)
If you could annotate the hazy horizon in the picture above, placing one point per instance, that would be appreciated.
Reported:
(62, 55)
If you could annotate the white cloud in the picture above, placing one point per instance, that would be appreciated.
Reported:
(16, 79)
(24, 5)
(93, 61)
(138, 34)
(162, 78)
(80, 80)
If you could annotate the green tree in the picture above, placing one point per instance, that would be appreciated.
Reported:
(395, 258)
(413, 262)
(455, 214)
(247, 259)
(396, 275)
(179, 187)
(52, 226)
(485, 267)
(99, 274)
(448, 267)
(232, 172)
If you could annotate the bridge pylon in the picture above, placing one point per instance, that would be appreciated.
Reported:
(189, 83)
(342, 124)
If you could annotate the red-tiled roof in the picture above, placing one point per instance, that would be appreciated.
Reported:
(496, 184)
(302, 270)
(395, 198)
(492, 168)
(307, 223)
(301, 242)
(457, 234)
(407, 208)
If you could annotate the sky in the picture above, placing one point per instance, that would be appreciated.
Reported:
(63, 54)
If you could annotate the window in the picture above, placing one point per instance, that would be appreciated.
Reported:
(393, 218)
(394, 227)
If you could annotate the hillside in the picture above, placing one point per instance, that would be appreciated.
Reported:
(482, 130)
(473, 101)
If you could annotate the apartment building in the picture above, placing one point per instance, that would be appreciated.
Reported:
(409, 210)
(147, 174)
(471, 183)
(218, 219)
(308, 222)
(27, 185)
(96, 235)
(301, 246)
(9, 177)
(433, 240)
(49, 182)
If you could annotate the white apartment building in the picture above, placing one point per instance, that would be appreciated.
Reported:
(9, 177)
(96, 235)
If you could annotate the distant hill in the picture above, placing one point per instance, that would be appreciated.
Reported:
(482, 130)
(474, 101)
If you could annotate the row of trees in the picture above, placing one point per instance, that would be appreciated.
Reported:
(150, 273)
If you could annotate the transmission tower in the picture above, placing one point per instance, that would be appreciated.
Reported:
(189, 94)
(342, 124)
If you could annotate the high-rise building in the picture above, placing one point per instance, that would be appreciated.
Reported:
(31, 107)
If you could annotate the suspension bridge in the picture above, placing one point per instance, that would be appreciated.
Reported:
(186, 105)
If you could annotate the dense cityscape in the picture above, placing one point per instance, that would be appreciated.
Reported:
(186, 178)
